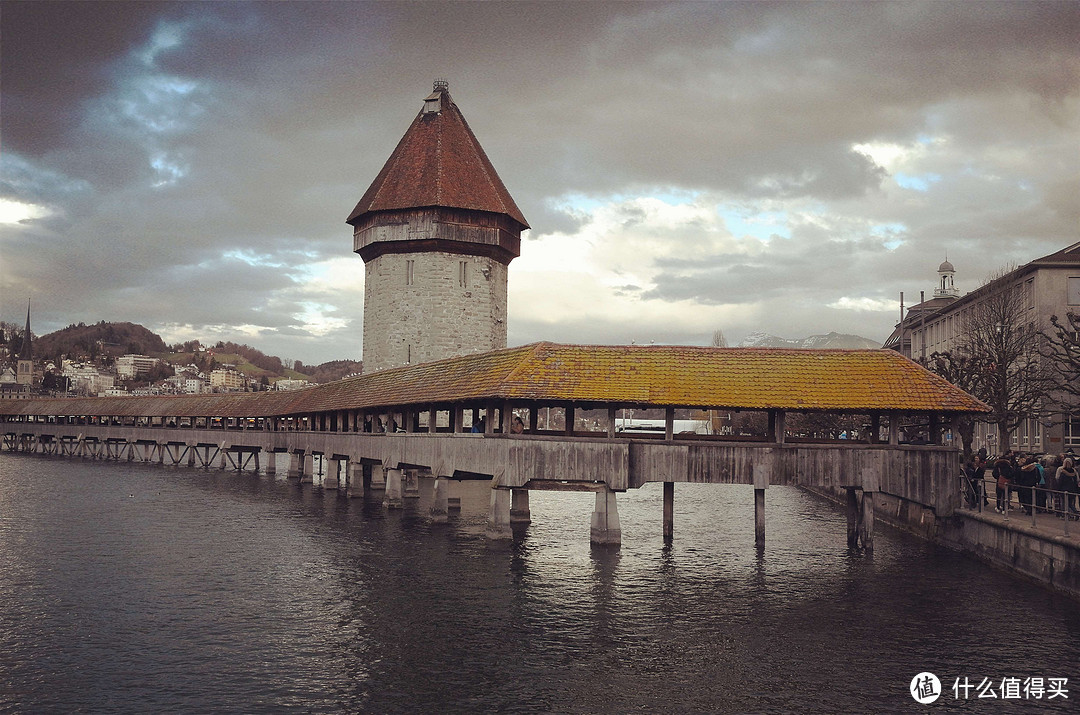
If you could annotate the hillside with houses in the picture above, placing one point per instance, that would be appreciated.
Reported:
(128, 359)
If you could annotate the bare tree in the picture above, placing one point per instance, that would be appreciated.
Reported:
(718, 339)
(1062, 351)
(967, 372)
(1002, 337)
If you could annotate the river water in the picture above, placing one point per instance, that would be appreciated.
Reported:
(139, 588)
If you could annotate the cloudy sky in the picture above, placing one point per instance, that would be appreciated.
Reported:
(686, 167)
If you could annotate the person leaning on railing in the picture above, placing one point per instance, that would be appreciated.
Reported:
(1067, 482)
(1026, 478)
(974, 470)
(1002, 473)
(1054, 502)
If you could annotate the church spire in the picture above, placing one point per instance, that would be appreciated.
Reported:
(26, 352)
(24, 367)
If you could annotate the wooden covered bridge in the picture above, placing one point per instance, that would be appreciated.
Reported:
(453, 419)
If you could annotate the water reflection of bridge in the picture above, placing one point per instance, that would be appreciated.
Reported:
(432, 408)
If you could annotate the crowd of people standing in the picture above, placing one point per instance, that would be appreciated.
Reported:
(1048, 484)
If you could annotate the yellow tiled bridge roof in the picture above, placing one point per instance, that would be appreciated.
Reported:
(589, 376)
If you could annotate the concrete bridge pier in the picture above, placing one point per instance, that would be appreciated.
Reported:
(333, 470)
(669, 510)
(453, 494)
(378, 476)
(271, 463)
(605, 527)
(393, 498)
(499, 515)
(296, 464)
(412, 484)
(354, 474)
(307, 473)
(519, 507)
(439, 508)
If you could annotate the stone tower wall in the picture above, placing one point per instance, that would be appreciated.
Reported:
(436, 315)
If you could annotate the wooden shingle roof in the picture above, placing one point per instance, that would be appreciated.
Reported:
(438, 162)
(660, 376)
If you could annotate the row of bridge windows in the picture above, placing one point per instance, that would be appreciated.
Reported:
(561, 420)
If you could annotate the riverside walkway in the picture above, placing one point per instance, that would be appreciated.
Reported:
(429, 413)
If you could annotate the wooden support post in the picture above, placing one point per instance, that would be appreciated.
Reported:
(506, 417)
(534, 418)
(605, 528)
(519, 507)
(669, 510)
(568, 412)
(669, 423)
(433, 419)
(392, 499)
(935, 429)
(489, 418)
(611, 422)
(759, 518)
(779, 426)
(499, 515)
(894, 429)
(866, 523)
(875, 428)
(871, 480)
(762, 473)
(852, 518)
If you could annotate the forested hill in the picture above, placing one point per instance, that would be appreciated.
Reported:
(99, 339)
(105, 342)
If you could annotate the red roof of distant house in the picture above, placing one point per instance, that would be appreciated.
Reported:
(438, 162)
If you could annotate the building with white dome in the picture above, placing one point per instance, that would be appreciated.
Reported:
(1050, 286)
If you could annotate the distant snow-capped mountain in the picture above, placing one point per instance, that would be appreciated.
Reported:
(758, 339)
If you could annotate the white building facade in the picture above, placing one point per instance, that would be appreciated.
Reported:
(1050, 286)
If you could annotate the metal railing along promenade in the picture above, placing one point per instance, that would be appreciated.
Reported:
(1040, 504)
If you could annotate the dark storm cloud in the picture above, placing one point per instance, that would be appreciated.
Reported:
(204, 153)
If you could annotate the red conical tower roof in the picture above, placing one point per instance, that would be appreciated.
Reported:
(438, 162)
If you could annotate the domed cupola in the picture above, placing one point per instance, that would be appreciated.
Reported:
(945, 286)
